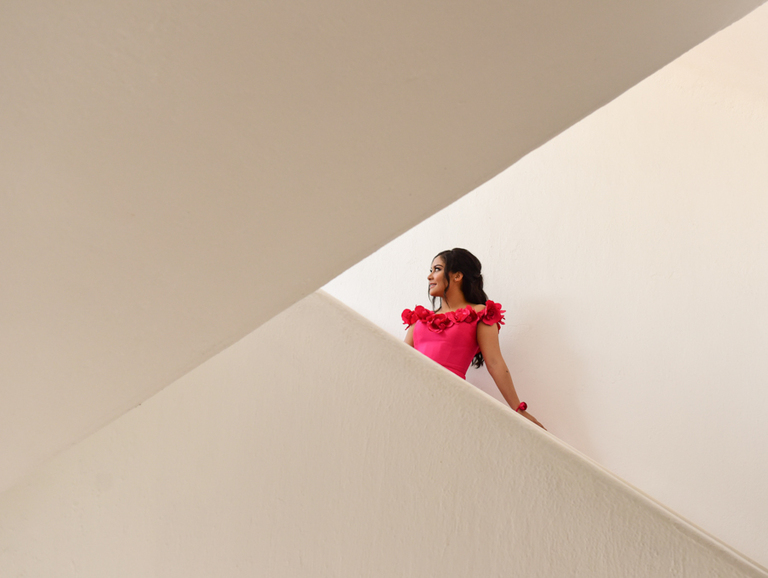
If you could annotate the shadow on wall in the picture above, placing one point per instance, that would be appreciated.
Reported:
(547, 371)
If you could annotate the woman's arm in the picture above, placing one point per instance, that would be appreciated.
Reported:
(488, 339)
(409, 336)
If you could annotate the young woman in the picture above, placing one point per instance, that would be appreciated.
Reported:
(465, 328)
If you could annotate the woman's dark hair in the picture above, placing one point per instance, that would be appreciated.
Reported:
(462, 261)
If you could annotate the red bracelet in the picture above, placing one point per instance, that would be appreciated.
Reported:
(523, 406)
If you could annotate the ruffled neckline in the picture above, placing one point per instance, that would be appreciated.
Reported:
(491, 314)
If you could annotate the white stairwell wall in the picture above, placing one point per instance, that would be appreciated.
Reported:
(631, 253)
(321, 446)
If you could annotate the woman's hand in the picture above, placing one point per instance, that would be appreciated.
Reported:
(527, 415)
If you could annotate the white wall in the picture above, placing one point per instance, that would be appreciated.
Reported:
(320, 446)
(631, 254)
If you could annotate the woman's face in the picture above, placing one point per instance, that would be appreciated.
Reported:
(437, 278)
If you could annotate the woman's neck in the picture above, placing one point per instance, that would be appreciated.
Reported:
(453, 300)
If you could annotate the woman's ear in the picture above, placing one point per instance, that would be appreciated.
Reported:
(457, 277)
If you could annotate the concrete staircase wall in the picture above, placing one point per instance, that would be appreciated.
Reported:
(321, 446)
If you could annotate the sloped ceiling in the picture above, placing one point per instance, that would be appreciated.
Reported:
(176, 173)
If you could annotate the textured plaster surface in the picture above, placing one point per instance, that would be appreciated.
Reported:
(173, 174)
(321, 446)
(630, 253)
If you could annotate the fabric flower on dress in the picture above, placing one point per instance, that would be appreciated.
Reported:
(493, 313)
(466, 314)
(409, 317)
(460, 315)
(439, 322)
(422, 313)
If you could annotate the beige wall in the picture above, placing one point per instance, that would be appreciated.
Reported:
(631, 255)
(173, 174)
(320, 446)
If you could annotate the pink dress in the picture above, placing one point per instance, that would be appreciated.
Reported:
(450, 338)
